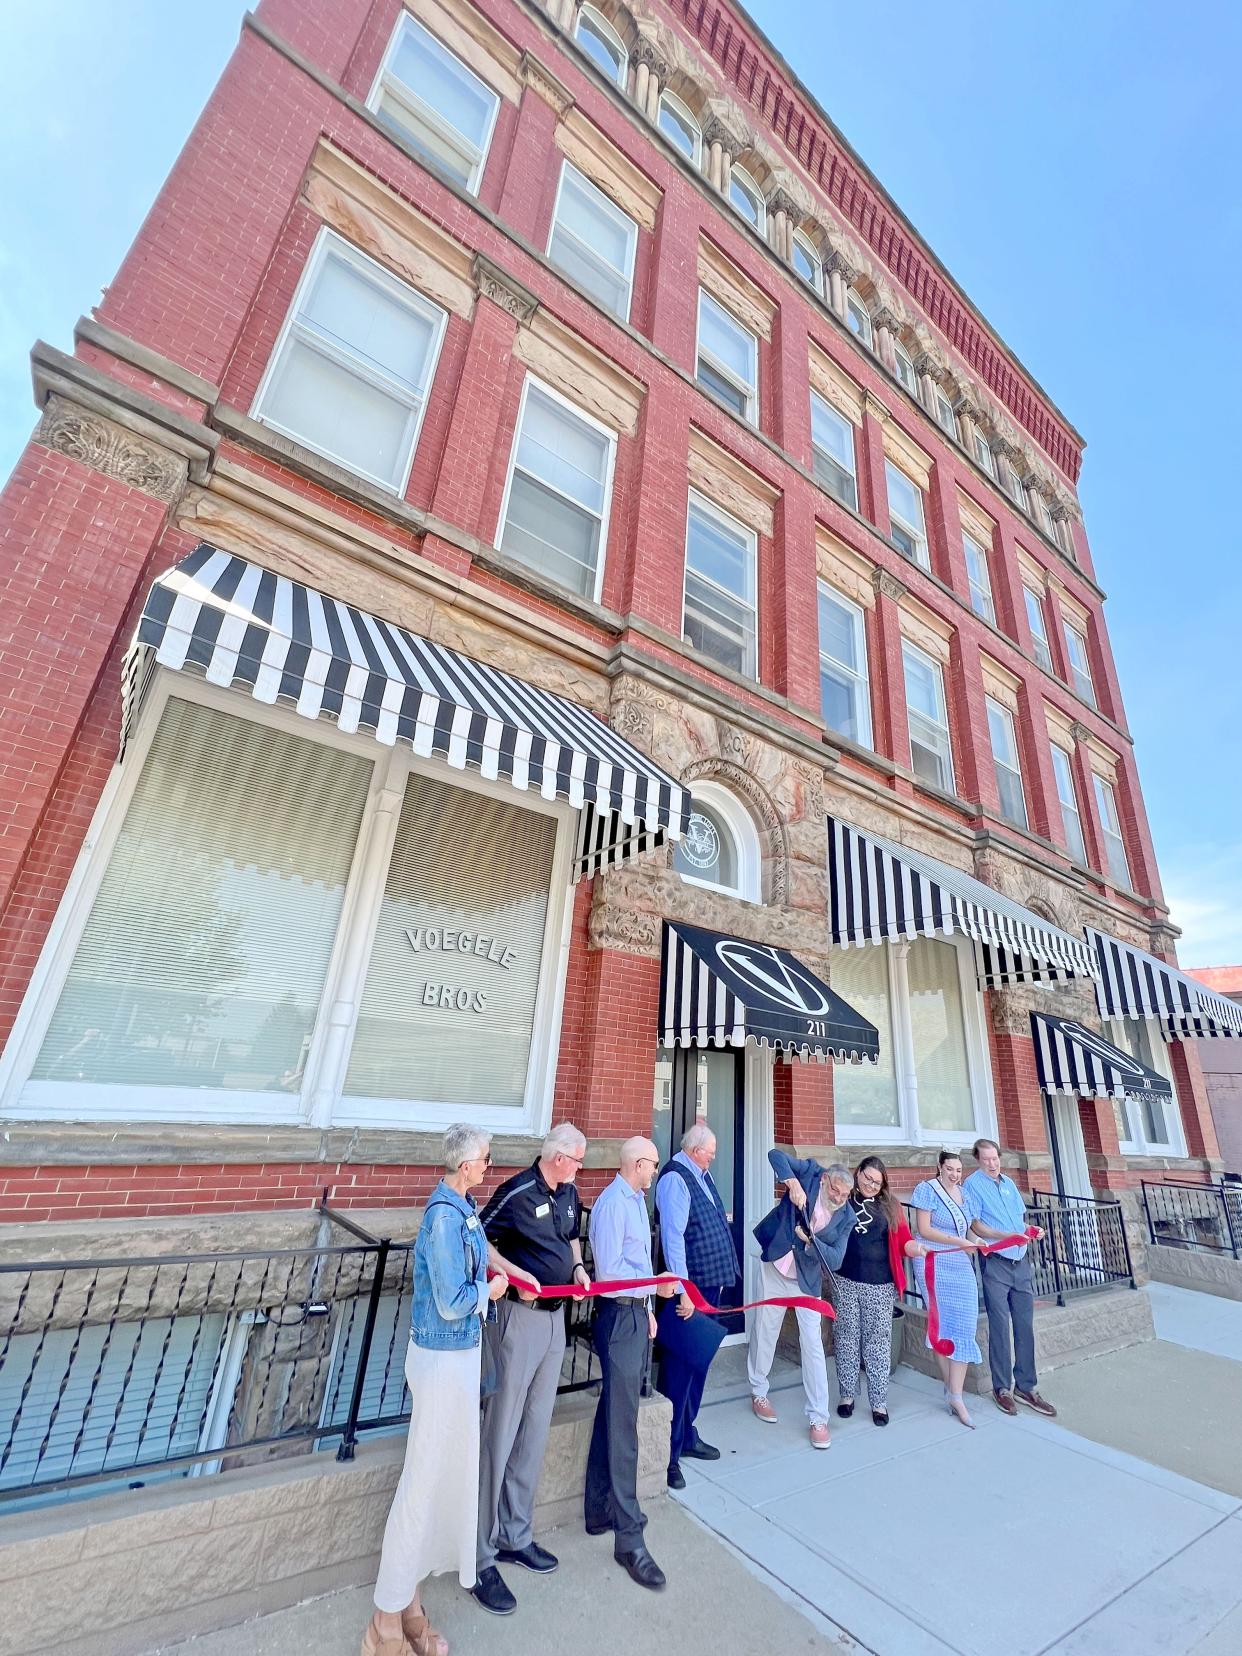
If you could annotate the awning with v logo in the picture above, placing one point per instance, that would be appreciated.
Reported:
(1073, 1059)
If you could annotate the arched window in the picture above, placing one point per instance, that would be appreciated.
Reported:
(747, 197)
(905, 369)
(806, 262)
(602, 44)
(721, 850)
(680, 127)
(858, 317)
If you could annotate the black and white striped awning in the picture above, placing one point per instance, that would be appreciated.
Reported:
(1073, 1059)
(1134, 984)
(239, 625)
(880, 891)
(722, 991)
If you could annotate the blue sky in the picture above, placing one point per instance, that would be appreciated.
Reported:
(1074, 166)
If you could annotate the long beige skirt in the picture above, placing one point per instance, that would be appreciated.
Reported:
(433, 1525)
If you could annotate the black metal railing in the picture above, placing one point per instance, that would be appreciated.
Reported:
(1203, 1218)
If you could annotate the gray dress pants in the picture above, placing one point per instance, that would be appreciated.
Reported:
(622, 1344)
(1009, 1295)
(529, 1344)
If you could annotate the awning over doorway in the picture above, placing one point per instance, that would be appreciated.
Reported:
(717, 990)
(1134, 984)
(881, 891)
(242, 626)
(1073, 1059)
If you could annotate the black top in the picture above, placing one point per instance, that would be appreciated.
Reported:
(533, 1225)
(866, 1252)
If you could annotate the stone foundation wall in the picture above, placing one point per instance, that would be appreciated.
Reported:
(1218, 1274)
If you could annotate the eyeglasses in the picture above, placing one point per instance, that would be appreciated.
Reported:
(654, 1160)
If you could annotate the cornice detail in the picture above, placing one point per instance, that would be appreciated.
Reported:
(110, 449)
(887, 585)
(503, 289)
(545, 84)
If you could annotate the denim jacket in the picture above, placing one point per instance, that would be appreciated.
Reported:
(450, 1273)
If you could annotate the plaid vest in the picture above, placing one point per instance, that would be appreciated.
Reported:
(711, 1258)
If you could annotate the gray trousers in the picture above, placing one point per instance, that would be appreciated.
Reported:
(1009, 1295)
(622, 1345)
(529, 1345)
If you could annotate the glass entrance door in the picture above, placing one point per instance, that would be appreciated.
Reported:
(706, 1084)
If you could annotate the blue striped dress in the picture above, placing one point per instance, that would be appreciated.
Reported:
(957, 1288)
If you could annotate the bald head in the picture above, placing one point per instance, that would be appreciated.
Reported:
(639, 1160)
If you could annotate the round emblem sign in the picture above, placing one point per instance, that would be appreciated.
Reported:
(784, 983)
(700, 844)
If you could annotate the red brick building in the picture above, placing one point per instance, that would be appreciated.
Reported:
(576, 341)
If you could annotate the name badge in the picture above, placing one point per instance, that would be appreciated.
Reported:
(472, 1223)
(543, 1210)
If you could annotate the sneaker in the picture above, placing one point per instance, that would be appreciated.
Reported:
(763, 1410)
(820, 1438)
(1004, 1402)
(490, 1591)
(1033, 1400)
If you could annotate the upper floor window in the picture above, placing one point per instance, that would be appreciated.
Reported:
(555, 515)
(1039, 629)
(720, 604)
(858, 317)
(602, 44)
(832, 451)
(905, 369)
(441, 108)
(1015, 484)
(1043, 516)
(946, 419)
(1079, 663)
(721, 849)
(680, 127)
(905, 510)
(979, 579)
(984, 455)
(1006, 763)
(1067, 794)
(747, 197)
(728, 359)
(351, 370)
(931, 752)
(844, 693)
(807, 263)
(1110, 823)
(593, 242)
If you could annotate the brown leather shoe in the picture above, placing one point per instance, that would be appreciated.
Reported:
(1033, 1400)
(1004, 1402)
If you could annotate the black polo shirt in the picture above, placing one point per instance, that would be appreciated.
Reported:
(533, 1225)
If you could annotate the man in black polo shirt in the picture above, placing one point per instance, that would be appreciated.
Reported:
(533, 1220)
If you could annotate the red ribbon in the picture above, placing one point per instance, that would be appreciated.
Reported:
(800, 1302)
(944, 1347)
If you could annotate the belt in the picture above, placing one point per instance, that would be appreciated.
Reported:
(630, 1299)
(511, 1294)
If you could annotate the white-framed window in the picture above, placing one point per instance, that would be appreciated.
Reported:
(979, 579)
(1079, 662)
(946, 419)
(857, 316)
(747, 198)
(1039, 627)
(1042, 515)
(1015, 483)
(554, 517)
(832, 451)
(984, 455)
(807, 262)
(427, 95)
(931, 751)
(276, 921)
(905, 511)
(727, 359)
(353, 365)
(593, 241)
(680, 127)
(721, 584)
(602, 44)
(1118, 868)
(1067, 794)
(1149, 1125)
(721, 849)
(905, 369)
(933, 1082)
(845, 695)
(1006, 762)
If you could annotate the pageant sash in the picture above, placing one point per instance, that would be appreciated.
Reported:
(799, 1302)
(946, 1347)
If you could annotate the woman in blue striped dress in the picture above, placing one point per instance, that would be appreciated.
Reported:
(943, 1213)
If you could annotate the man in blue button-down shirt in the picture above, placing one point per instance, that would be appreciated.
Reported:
(1008, 1284)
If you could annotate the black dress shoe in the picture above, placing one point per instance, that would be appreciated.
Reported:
(880, 1416)
(490, 1591)
(676, 1477)
(642, 1568)
(596, 1527)
(698, 1450)
(846, 1409)
(534, 1557)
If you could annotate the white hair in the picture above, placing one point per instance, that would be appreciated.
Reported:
(696, 1136)
(463, 1143)
(634, 1150)
(564, 1139)
(839, 1171)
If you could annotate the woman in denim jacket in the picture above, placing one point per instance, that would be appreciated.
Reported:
(432, 1527)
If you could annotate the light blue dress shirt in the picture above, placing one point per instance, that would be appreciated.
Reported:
(620, 1233)
(1001, 1207)
(673, 1210)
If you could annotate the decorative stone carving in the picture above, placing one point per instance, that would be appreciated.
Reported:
(878, 410)
(721, 126)
(780, 201)
(838, 262)
(740, 781)
(645, 50)
(735, 744)
(107, 447)
(886, 585)
(545, 84)
(631, 931)
(886, 318)
(813, 782)
(927, 364)
(1079, 731)
(504, 290)
(633, 722)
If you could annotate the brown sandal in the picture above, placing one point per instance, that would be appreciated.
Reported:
(424, 1638)
(374, 1644)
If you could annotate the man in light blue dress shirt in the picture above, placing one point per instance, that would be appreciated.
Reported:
(1008, 1284)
